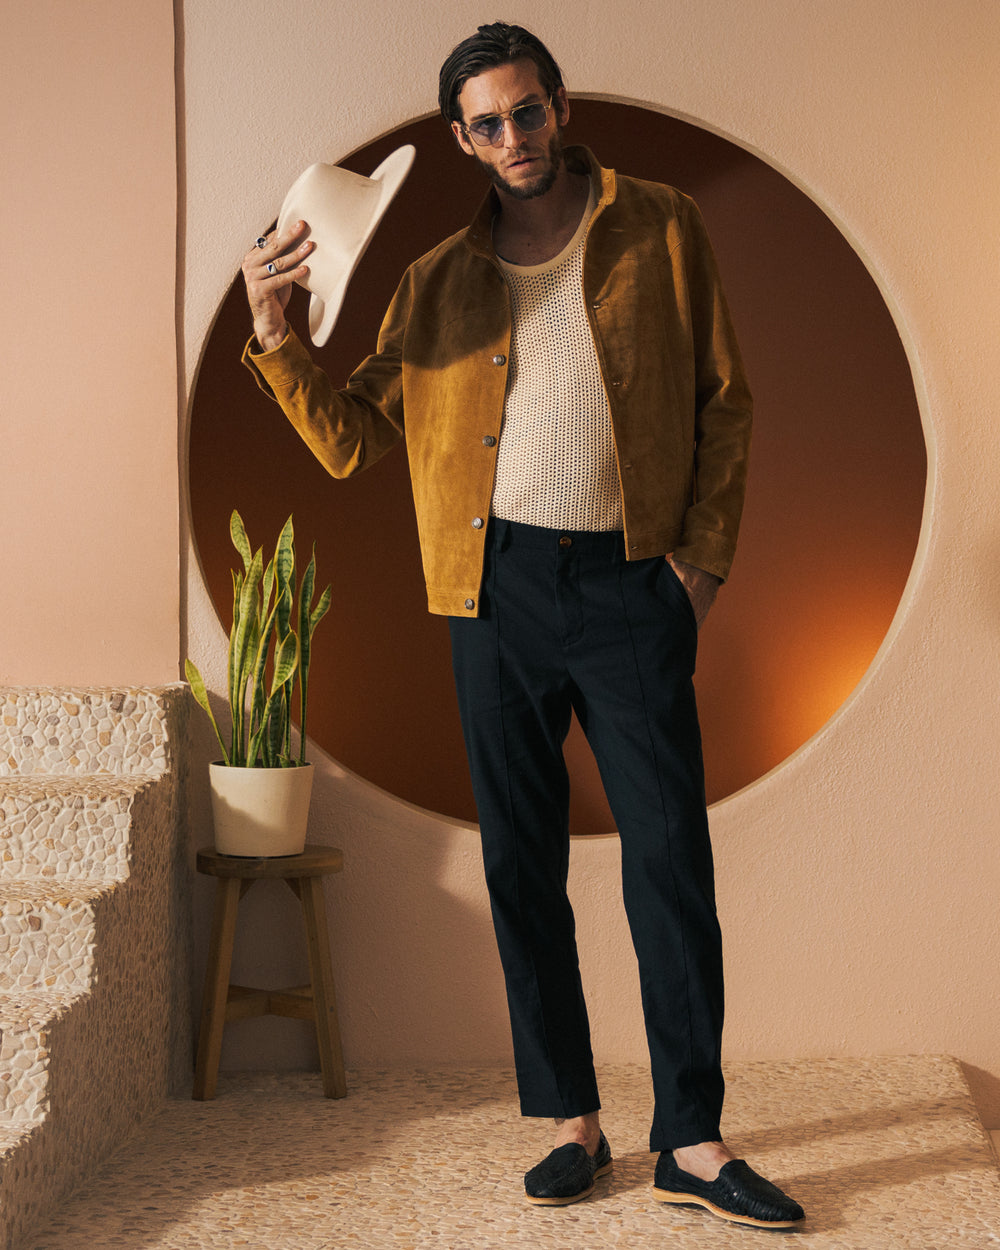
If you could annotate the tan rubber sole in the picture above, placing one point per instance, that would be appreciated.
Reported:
(668, 1195)
(565, 1202)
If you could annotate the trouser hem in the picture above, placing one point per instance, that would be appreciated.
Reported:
(679, 1138)
(568, 1109)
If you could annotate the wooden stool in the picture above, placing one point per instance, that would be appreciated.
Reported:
(223, 1002)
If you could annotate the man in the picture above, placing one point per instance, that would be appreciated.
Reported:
(577, 423)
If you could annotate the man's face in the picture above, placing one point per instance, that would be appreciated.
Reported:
(522, 165)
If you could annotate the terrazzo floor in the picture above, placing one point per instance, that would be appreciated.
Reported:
(884, 1154)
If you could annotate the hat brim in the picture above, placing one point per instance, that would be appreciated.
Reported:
(389, 176)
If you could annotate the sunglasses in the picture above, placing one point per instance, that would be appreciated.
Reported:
(528, 118)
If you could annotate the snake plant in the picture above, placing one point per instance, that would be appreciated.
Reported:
(270, 645)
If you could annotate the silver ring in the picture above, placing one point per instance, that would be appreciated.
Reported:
(262, 242)
(271, 267)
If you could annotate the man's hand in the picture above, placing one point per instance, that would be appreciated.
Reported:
(701, 587)
(269, 292)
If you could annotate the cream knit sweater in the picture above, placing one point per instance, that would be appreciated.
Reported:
(556, 464)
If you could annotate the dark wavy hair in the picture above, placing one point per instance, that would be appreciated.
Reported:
(492, 45)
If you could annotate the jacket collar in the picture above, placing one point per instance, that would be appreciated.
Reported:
(579, 159)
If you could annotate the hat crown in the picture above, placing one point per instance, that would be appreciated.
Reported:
(338, 206)
(341, 210)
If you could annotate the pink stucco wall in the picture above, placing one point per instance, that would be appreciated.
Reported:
(89, 592)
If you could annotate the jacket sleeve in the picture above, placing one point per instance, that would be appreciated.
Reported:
(347, 429)
(723, 413)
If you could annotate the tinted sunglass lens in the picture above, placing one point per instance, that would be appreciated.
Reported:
(488, 131)
(529, 117)
(526, 117)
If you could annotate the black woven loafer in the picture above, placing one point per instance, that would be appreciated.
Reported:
(566, 1175)
(737, 1194)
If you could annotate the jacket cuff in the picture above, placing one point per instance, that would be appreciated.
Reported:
(707, 551)
(280, 367)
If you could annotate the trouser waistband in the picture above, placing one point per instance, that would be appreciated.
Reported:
(505, 534)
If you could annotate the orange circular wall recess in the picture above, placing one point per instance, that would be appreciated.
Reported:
(832, 517)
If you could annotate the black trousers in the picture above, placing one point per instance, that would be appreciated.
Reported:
(566, 623)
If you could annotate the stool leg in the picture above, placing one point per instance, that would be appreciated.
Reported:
(331, 1055)
(216, 992)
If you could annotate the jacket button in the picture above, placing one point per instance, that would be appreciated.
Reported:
(477, 522)
(489, 441)
(470, 604)
(499, 359)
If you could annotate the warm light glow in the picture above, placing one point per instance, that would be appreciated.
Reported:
(823, 674)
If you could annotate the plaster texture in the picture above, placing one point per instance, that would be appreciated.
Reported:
(89, 506)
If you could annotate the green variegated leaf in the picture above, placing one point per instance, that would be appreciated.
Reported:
(198, 689)
(306, 593)
(268, 584)
(307, 623)
(321, 609)
(249, 606)
(256, 740)
(258, 684)
(232, 667)
(285, 661)
(305, 603)
(274, 739)
(237, 532)
(284, 569)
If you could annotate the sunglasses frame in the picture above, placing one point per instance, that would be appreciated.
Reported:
(486, 142)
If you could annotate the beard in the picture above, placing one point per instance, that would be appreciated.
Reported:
(540, 184)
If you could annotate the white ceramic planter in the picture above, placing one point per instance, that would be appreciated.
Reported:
(260, 811)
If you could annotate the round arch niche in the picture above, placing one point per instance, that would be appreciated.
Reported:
(833, 510)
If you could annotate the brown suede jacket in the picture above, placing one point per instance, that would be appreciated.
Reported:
(680, 404)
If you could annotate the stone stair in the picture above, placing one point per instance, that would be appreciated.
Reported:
(94, 932)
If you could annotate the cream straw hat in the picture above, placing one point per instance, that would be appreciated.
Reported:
(342, 211)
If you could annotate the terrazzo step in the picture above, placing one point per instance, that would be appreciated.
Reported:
(47, 934)
(93, 925)
(116, 730)
(26, 1024)
(66, 827)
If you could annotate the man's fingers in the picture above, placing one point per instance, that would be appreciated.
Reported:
(281, 272)
(270, 268)
(278, 244)
(266, 270)
(276, 249)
